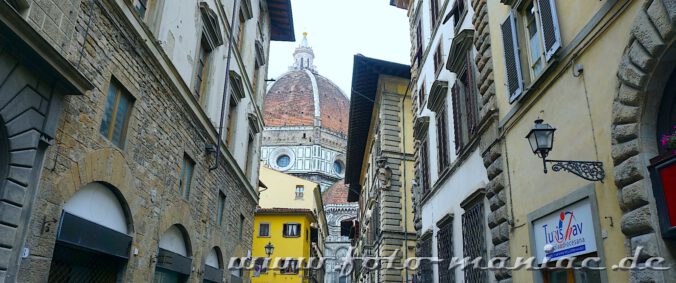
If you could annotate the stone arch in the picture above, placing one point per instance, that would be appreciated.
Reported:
(102, 204)
(176, 239)
(215, 258)
(107, 166)
(4, 152)
(644, 70)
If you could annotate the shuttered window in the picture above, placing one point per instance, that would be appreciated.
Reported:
(438, 59)
(512, 61)
(419, 43)
(442, 139)
(434, 13)
(538, 26)
(465, 104)
(424, 166)
(551, 35)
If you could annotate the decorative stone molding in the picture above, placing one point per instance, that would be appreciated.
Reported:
(462, 42)
(437, 97)
(420, 127)
(211, 29)
(648, 57)
(260, 53)
(237, 86)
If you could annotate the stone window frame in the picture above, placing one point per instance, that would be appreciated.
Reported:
(586, 192)
(476, 200)
(185, 187)
(425, 270)
(444, 154)
(445, 236)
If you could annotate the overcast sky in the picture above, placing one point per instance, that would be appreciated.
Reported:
(337, 30)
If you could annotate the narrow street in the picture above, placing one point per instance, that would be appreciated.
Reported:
(315, 141)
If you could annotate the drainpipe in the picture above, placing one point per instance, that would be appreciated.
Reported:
(403, 133)
(233, 22)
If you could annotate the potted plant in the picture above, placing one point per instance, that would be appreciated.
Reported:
(668, 142)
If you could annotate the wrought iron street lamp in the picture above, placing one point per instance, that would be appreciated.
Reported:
(541, 139)
(269, 248)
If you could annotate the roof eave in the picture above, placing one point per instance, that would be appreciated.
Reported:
(281, 20)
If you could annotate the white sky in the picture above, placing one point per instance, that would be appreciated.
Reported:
(337, 30)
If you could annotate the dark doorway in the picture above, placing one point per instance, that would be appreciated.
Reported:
(666, 119)
(71, 264)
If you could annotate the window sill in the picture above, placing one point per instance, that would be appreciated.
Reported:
(264, 236)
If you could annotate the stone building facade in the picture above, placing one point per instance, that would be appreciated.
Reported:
(451, 202)
(110, 121)
(380, 163)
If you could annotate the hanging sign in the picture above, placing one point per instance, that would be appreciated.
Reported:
(566, 232)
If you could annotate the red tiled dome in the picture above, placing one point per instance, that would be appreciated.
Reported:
(291, 102)
(336, 194)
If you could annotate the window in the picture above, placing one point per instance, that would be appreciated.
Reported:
(419, 44)
(425, 268)
(187, 169)
(249, 153)
(465, 104)
(474, 238)
(116, 114)
(288, 266)
(434, 13)
(291, 230)
(232, 114)
(442, 138)
(299, 191)
(283, 161)
(141, 6)
(573, 275)
(459, 11)
(445, 249)
(338, 167)
(264, 230)
(241, 227)
(438, 59)
(221, 208)
(536, 24)
(240, 33)
(424, 166)
(421, 95)
(201, 71)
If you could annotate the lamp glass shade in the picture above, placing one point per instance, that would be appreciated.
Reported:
(541, 138)
(269, 248)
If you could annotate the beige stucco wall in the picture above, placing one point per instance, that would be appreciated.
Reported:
(580, 108)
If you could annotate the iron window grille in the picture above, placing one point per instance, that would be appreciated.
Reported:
(445, 251)
(474, 239)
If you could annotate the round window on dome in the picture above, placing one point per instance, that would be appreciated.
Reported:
(283, 161)
(338, 167)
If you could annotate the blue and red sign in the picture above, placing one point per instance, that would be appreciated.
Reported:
(565, 233)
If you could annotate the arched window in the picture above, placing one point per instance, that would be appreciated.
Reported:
(93, 238)
(213, 266)
(174, 263)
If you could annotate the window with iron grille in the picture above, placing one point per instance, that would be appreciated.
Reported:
(445, 250)
(425, 250)
(464, 97)
(474, 239)
(442, 139)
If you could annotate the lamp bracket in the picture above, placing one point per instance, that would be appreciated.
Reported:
(588, 170)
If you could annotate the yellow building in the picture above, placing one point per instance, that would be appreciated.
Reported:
(291, 219)
(601, 73)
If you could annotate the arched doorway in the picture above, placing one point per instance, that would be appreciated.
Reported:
(213, 266)
(174, 262)
(92, 241)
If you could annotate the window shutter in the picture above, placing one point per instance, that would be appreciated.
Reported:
(512, 62)
(551, 34)
(455, 99)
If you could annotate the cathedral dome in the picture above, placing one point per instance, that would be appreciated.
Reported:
(336, 194)
(302, 97)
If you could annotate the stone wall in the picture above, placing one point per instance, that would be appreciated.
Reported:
(490, 144)
(146, 170)
(647, 63)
